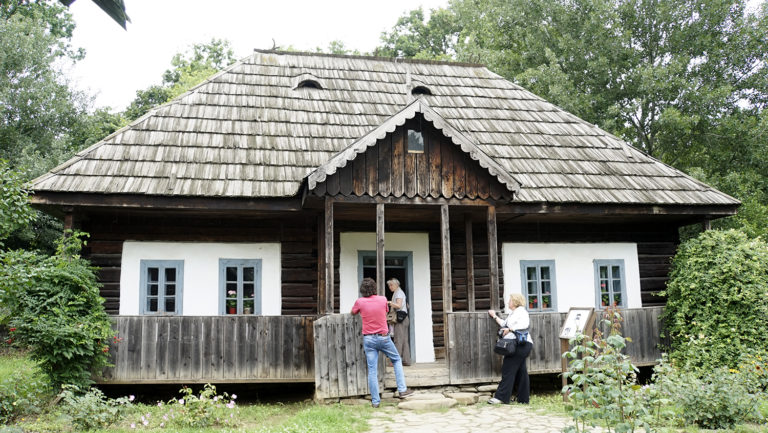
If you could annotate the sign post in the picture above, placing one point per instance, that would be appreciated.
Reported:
(580, 320)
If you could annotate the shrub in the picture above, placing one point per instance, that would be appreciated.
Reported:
(716, 399)
(717, 300)
(56, 309)
(205, 409)
(91, 410)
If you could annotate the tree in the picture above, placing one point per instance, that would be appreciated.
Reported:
(114, 8)
(188, 70)
(413, 37)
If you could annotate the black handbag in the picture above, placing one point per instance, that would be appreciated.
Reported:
(401, 315)
(505, 346)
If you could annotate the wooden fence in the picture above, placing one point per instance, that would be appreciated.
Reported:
(222, 349)
(472, 335)
(340, 365)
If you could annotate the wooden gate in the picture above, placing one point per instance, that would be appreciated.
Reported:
(340, 366)
(472, 336)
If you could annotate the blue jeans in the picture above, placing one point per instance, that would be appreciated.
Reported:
(372, 345)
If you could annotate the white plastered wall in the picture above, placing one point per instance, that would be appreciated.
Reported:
(574, 269)
(421, 304)
(201, 273)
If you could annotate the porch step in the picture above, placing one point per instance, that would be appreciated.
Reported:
(419, 374)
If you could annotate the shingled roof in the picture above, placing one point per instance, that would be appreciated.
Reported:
(251, 131)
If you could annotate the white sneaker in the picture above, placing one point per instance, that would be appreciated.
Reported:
(494, 400)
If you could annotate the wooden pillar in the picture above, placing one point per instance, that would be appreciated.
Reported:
(321, 261)
(69, 218)
(380, 267)
(706, 225)
(493, 258)
(470, 263)
(329, 269)
(445, 244)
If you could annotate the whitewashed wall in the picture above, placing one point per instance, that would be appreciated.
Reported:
(201, 273)
(421, 304)
(574, 269)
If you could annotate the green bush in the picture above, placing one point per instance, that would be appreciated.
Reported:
(205, 409)
(717, 399)
(717, 300)
(91, 410)
(56, 309)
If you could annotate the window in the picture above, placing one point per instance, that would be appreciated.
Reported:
(240, 286)
(415, 141)
(609, 278)
(539, 284)
(309, 84)
(162, 283)
(420, 90)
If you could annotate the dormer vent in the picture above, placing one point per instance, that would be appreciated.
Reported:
(420, 90)
(307, 81)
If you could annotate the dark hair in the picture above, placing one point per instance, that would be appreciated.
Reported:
(368, 287)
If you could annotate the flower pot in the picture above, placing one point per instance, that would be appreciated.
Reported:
(231, 310)
(247, 310)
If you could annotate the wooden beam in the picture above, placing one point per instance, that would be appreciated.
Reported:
(706, 225)
(69, 218)
(470, 262)
(445, 246)
(380, 248)
(416, 200)
(321, 288)
(493, 258)
(617, 209)
(329, 270)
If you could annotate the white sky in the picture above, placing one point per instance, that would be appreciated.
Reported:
(119, 62)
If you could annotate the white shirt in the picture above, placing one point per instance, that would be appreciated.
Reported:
(517, 321)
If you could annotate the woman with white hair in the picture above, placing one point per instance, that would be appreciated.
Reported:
(400, 329)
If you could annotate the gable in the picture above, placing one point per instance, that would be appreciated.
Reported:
(387, 169)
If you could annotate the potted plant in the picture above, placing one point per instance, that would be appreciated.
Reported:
(231, 302)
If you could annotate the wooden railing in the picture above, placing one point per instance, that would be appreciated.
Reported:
(200, 349)
(472, 335)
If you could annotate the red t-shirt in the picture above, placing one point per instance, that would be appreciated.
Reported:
(373, 310)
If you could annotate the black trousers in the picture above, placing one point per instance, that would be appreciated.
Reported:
(514, 370)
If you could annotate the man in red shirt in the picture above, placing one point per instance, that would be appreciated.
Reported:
(373, 309)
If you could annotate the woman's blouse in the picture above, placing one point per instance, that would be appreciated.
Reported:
(399, 294)
(518, 321)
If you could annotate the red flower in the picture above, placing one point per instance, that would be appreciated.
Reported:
(12, 329)
(105, 349)
(9, 341)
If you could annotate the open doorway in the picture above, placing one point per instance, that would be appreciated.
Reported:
(397, 264)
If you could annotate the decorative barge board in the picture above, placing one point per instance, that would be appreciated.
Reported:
(246, 207)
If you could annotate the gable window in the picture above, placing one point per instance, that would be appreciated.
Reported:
(610, 281)
(538, 284)
(240, 286)
(162, 283)
(309, 84)
(420, 90)
(415, 141)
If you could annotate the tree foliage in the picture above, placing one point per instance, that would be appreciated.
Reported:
(188, 69)
(717, 300)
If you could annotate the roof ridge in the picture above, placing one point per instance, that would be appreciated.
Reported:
(373, 58)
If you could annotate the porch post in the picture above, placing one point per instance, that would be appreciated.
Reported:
(321, 261)
(445, 244)
(493, 258)
(380, 248)
(470, 262)
(329, 270)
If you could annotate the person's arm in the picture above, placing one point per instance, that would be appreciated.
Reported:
(355, 309)
(398, 303)
(494, 316)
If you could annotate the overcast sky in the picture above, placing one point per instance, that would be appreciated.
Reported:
(119, 62)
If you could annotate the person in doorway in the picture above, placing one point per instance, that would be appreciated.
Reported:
(400, 330)
(513, 368)
(373, 310)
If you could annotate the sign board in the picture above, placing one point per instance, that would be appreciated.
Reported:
(576, 322)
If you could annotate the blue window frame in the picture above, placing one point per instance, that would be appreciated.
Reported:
(610, 283)
(240, 286)
(539, 284)
(162, 286)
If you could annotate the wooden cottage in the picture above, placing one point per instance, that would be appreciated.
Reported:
(233, 224)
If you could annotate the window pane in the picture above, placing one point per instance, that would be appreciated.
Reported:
(415, 141)
(603, 272)
(617, 300)
(546, 287)
(604, 300)
(533, 302)
(231, 290)
(248, 273)
(369, 261)
(152, 304)
(531, 287)
(152, 290)
(170, 305)
(615, 272)
(531, 273)
(616, 286)
(152, 274)
(231, 273)
(545, 273)
(248, 290)
(170, 275)
(546, 302)
(170, 289)
(248, 307)
(603, 286)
